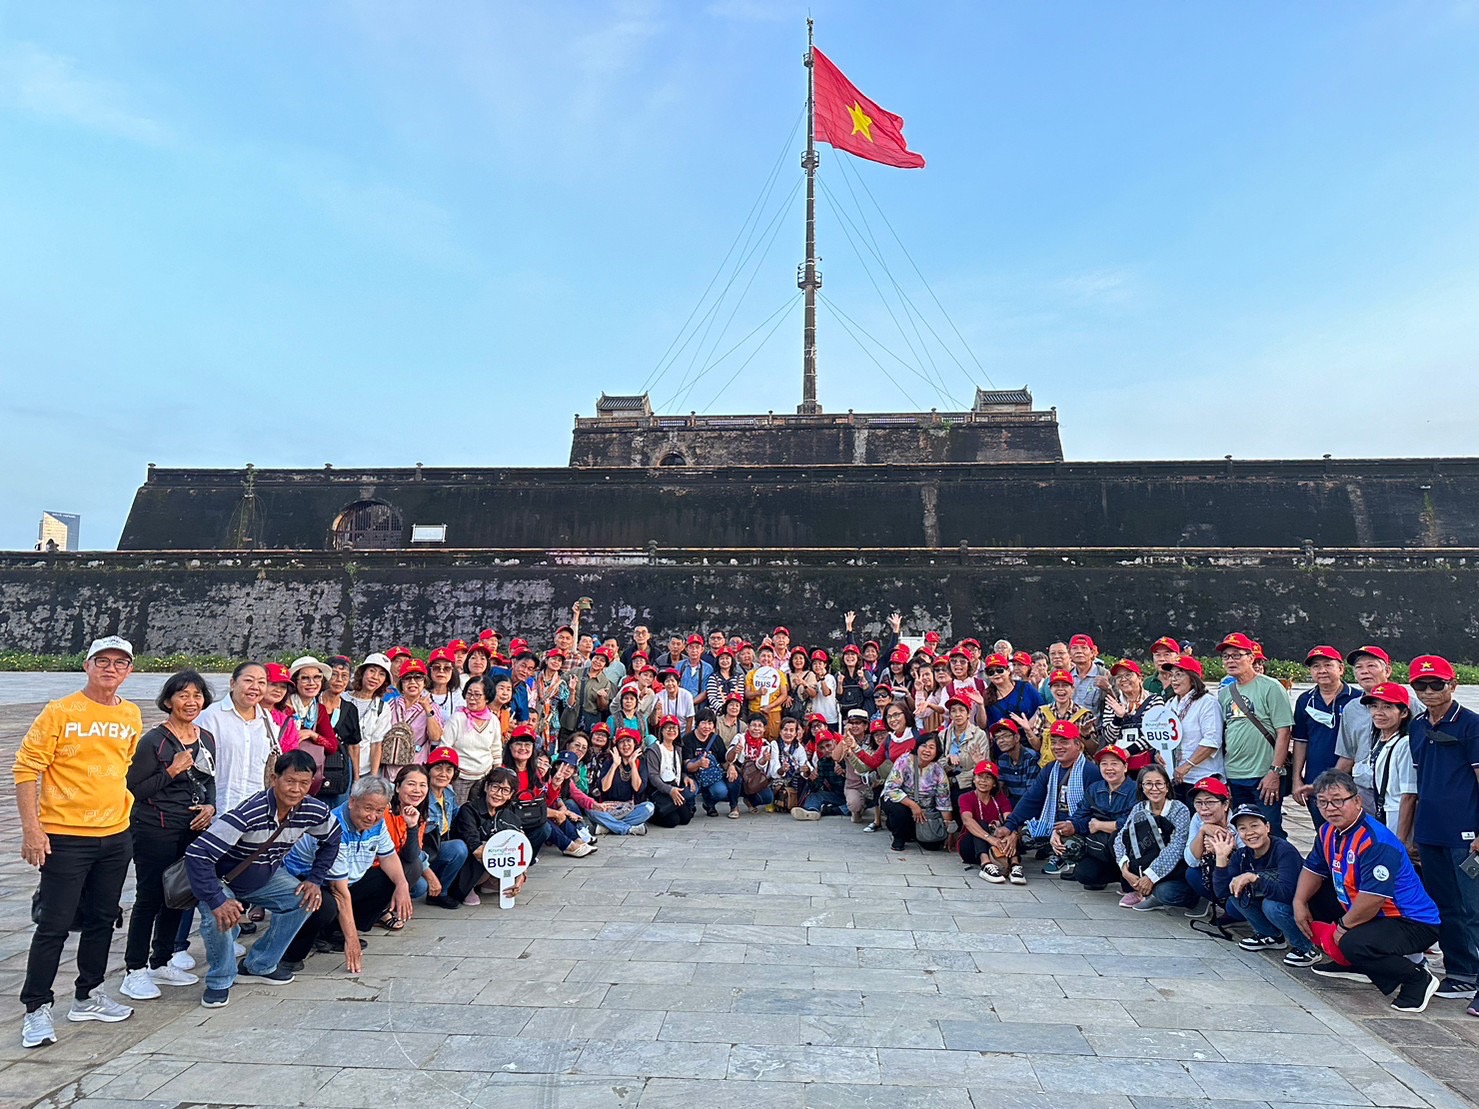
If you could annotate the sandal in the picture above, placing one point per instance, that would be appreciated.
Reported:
(390, 922)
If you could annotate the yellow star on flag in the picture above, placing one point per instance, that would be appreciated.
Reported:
(861, 124)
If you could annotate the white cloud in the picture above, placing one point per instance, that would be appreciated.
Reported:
(52, 87)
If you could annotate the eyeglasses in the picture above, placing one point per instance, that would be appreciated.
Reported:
(310, 677)
(111, 663)
(1207, 802)
(1429, 685)
(1335, 802)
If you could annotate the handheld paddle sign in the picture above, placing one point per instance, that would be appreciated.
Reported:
(506, 855)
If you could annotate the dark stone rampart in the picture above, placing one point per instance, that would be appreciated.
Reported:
(1370, 503)
(259, 603)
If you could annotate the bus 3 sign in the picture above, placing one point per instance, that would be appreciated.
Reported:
(506, 855)
(1162, 731)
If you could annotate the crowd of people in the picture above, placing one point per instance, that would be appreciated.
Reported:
(312, 803)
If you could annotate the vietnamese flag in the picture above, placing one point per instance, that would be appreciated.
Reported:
(849, 121)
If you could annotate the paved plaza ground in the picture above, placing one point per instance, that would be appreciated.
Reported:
(759, 963)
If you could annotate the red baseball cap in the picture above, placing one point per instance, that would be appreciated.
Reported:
(1082, 640)
(736, 696)
(457, 645)
(820, 654)
(277, 674)
(515, 645)
(994, 660)
(1389, 693)
(900, 655)
(874, 644)
(1430, 666)
(696, 639)
(851, 648)
(1008, 723)
(958, 699)
(673, 720)
(605, 653)
(1238, 641)
(490, 633)
(1064, 729)
(522, 731)
(986, 766)
(1375, 652)
(976, 643)
(1127, 664)
(1215, 786)
(397, 652)
(1022, 658)
(1189, 664)
(627, 733)
(1324, 650)
(480, 645)
(441, 654)
(443, 754)
(813, 717)
(409, 667)
(1113, 751)
(664, 674)
(600, 726)
(782, 631)
(643, 655)
(932, 637)
(724, 651)
(554, 652)
(877, 726)
(925, 651)
(1060, 677)
(1167, 643)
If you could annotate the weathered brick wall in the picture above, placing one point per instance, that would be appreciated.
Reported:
(270, 605)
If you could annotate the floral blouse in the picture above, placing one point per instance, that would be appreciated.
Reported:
(932, 788)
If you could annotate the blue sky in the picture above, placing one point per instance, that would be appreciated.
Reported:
(381, 233)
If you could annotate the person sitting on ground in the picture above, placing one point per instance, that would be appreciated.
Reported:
(445, 851)
(1388, 918)
(669, 788)
(795, 759)
(1105, 807)
(622, 811)
(825, 784)
(1150, 847)
(489, 809)
(982, 809)
(1060, 687)
(731, 722)
(1211, 805)
(1122, 717)
(916, 798)
(1054, 795)
(704, 755)
(239, 861)
(362, 891)
(564, 796)
(755, 760)
(405, 820)
(1260, 877)
(530, 771)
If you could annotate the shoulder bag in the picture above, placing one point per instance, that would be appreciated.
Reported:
(398, 748)
(177, 891)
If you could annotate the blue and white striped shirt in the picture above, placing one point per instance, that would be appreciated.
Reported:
(235, 834)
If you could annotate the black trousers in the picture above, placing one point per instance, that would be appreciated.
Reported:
(1090, 871)
(473, 871)
(152, 924)
(668, 814)
(901, 826)
(1378, 949)
(976, 851)
(370, 897)
(81, 881)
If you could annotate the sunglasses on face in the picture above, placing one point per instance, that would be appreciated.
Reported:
(1429, 685)
(993, 671)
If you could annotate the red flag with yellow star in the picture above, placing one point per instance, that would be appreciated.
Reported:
(849, 121)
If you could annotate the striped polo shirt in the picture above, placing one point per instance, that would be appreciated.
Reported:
(236, 833)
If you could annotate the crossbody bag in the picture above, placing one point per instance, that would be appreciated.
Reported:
(177, 891)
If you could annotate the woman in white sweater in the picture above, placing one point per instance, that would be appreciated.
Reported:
(474, 733)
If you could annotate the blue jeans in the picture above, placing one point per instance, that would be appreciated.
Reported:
(280, 896)
(1273, 918)
(711, 794)
(1174, 891)
(815, 801)
(765, 797)
(559, 835)
(450, 856)
(1457, 898)
(623, 825)
(1245, 792)
(1197, 886)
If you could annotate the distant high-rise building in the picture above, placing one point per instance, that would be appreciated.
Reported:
(59, 531)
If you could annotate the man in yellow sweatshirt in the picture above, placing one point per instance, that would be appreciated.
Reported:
(74, 803)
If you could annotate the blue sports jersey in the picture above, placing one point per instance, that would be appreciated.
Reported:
(1368, 858)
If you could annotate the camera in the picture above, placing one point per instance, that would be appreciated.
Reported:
(1073, 849)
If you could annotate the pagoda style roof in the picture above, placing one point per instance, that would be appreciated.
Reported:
(617, 404)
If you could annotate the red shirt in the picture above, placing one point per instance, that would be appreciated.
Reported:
(997, 806)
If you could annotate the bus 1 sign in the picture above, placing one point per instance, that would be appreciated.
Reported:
(506, 855)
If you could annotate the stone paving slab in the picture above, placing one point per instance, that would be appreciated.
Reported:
(761, 962)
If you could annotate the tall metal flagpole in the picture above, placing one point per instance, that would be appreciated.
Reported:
(809, 279)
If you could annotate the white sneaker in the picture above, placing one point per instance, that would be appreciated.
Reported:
(182, 960)
(99, 1007)
(173, 976)
(37, 1029)
(237, 950)
(139, 985)
(578, 850)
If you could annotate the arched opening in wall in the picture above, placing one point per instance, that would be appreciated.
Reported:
(673, 458)
(369, 526)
